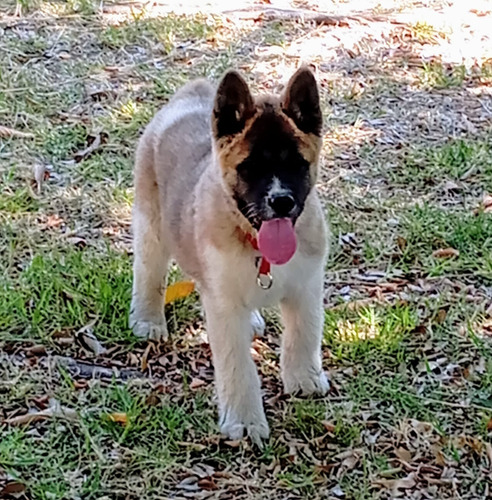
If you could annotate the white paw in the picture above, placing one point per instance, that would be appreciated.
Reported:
(149, 330)
(258, 323)
(305, 382)
(237, 425)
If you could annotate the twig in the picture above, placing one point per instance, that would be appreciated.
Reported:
(321, 18)
(88, 370)
(14, 90)
(11, 132)
(470, 406)
(55, 410)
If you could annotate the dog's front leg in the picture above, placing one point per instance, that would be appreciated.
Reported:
(237, 381)
(302, 313)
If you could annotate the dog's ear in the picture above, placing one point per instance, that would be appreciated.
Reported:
(301, 101)
(233, 105)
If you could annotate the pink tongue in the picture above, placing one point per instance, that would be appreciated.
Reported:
(277, 240)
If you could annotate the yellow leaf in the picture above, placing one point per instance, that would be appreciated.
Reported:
(179, 290)
(120, 418)
(445, 253)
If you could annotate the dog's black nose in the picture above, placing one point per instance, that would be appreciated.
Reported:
(282, 204)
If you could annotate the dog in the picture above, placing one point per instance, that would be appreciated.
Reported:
(225, 185)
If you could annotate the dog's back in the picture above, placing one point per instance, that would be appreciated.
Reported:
(173, 153)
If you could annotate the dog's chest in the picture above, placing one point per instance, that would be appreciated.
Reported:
(236, 279)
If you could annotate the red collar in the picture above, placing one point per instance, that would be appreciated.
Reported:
(264, 267)
(264, 277)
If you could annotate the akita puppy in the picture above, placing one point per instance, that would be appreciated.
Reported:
(224, 184)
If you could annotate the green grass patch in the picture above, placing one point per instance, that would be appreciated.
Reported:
(427, 228)
(60, 142)
(426, 167)
(60, 292)
(65, 290)
(369, 333)
(436, 75)
(108, 166)
(17, 201)
(166, 31)
(77, 461)
(392, 394)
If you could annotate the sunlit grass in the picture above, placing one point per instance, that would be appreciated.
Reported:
(358, 335)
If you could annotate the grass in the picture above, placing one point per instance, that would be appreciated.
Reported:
(442, 76)
(407, 336)
(357, 336)
(65, 291)
(166, 32)
(454, 160)
(79, 465)
(427, 229)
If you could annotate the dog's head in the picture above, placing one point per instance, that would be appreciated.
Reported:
(268, 147)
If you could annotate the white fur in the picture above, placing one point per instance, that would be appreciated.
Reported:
(229, 304)
(276, 187)
(258, 323)
(149, 273)
(222, 265)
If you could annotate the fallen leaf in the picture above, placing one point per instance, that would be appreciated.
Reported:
(27, 418)
(41, 174)
(96, 141)
(88, 340)
(489, 425)
(41, 401)
(441, 316)
(80, 384)
(52, 220)
(487, 204)
(403, 454)
(401, 243)
(55, 410)
(207, 484)
(178, 290)
(404, 483)
(120, 418)
(338, 492)
(7, 132)
(145, 356)
(233, 443)
(445, 253)
(152, 399)
(349, 459)
(188, 484)
(36, 350)
(11, 488)
(196, 383)
(488, 447)
(328, 426)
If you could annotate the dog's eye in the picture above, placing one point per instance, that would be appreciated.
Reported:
(296, 166)
(247, 168)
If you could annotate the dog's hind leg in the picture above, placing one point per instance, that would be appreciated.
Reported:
(151, 256)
